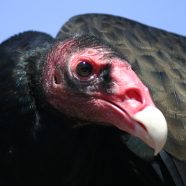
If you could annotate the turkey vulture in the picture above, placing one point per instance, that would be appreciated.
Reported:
(73, 108)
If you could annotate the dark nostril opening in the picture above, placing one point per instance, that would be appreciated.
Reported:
(134, 94)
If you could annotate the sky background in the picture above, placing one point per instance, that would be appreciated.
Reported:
(49, 15)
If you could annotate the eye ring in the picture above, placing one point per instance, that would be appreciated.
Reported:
(84, 69)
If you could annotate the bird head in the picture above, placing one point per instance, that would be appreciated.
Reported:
(85, 78)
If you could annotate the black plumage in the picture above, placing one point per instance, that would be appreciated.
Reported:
(40, 146)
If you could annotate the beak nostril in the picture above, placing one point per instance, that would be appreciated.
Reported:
(134, 94)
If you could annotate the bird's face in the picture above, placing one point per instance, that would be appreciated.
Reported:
(92, 83)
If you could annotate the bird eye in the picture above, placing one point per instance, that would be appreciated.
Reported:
(84, 69)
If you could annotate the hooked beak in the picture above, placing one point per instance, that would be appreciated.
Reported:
(132, 100)
(148, 124)
(155, 133)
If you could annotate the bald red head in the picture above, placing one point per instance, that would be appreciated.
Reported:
(86, 79)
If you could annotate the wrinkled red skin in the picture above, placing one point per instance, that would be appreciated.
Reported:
(128, 95)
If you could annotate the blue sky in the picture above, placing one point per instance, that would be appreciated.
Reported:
(48, 15)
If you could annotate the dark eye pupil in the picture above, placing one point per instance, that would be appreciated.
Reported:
(84, 69)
